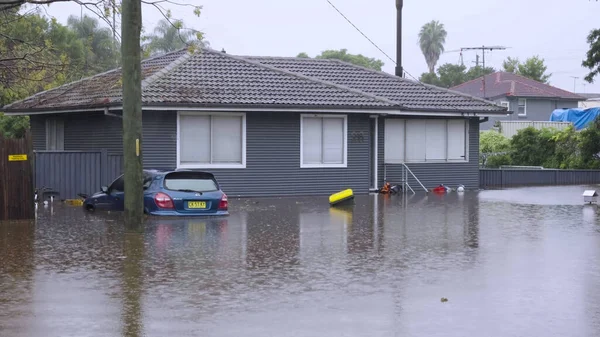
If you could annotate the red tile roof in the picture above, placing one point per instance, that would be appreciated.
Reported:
(509, 84)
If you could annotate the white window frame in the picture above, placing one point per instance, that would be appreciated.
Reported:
(53, 123)
(505, 104)
(458, 161)
(211, 166)
(345, 145)
(524, 114)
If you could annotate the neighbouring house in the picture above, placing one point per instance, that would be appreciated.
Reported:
(592, 100)
(269, 126)
(529, 100)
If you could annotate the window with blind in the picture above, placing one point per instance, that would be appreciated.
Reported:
(426, 140)
(55, 134)
(211, 140)
(323, 141)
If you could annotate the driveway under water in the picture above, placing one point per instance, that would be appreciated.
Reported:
(521, 262)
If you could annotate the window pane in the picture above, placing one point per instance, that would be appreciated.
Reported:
(311, 140)
(394, 140)
(522, 106)
(118, 185)
(197, 182)
(456, 140)
(50, 134)
(60, 135)
(436, 139)
(333, 141)
(227, 139)
(415, 140)
(194, 139)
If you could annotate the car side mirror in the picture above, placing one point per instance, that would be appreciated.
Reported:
(104, 189)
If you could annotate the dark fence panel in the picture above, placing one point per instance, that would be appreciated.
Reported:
(16, 179)
(495, 178)
(114, 167)
(72, 172)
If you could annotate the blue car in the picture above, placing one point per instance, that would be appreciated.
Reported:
(174, 193)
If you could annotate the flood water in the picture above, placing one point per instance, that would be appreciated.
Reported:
(522, 262)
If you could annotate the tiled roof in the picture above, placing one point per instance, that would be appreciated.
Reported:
(409, 94)
(209, 78)
(509, 84)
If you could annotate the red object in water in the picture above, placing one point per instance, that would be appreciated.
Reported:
(439, 189)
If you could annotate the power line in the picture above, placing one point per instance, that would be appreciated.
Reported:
(363, 34)
(391, 59)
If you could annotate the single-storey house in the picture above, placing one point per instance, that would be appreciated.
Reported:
(530, 100)
(268, 126)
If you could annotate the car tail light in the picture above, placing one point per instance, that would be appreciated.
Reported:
(223, 204)
(163, 201)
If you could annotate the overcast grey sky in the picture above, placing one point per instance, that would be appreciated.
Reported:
(554, 29)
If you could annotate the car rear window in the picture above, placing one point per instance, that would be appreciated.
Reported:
(197, 182)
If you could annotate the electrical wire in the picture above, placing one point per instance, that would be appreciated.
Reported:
(384, 53)
(363, 34)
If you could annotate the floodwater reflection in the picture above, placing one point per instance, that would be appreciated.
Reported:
(377, 266)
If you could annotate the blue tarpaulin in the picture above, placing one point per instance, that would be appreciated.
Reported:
(579, 117)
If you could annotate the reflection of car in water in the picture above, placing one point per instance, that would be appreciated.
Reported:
(178, 193)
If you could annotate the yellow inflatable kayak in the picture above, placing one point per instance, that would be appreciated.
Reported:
(344, 195)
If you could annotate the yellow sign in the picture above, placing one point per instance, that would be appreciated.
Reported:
(137, 147)
(17, 157)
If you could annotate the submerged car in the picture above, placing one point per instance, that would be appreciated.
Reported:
(171, 193)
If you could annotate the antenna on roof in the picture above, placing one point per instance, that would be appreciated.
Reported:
(483, 50)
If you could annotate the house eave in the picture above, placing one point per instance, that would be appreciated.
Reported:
(268, 108)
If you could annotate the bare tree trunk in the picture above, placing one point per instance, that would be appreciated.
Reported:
(132, 113)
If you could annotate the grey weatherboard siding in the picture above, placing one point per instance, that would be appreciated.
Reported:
(83, 132)
(272, 156)
(433, 174)
(537, 110)
(272, 153)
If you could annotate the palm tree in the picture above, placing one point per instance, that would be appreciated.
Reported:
(431, 39)
(100, 48)
(169, 37)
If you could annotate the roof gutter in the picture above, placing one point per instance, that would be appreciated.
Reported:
(357, 110)
(106, 113)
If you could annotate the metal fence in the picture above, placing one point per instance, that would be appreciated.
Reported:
(510, 128)
(73, 172)
(498, 178)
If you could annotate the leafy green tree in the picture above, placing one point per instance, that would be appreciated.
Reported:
(567, 151)
(592, 60)
(432, 38)
(511, 65)
(35, 54)
(533, 68)
(478, 71)
(13, 127)
(449, 75)
(430, 78)
(343, 55)
(170, 36)
(533, 147)
(590, 144)
(101, 51)
(494, 149)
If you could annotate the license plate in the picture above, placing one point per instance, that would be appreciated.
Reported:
(196, 204)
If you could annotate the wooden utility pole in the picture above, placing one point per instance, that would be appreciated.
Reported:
(131, 25)
(399, 70)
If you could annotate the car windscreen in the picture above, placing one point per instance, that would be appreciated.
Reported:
(190, 181)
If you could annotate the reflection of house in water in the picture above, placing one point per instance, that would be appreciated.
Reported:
(424, 222)
(440, 223)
